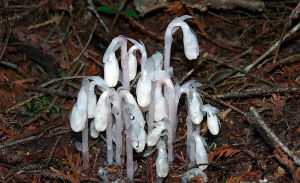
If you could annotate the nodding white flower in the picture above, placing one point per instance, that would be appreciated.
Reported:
(195, 105)
(200, 154)
(132, 62)
(111, 66)
(94, 133)
(155, 134)
(143, 88)
(137, 123)
(92, 98)
(78, 115)
(138, 137)
(102, 112)
(111, 71)
(162, 165)
(160, 109)
(190, 42)
(158, 60)
(77, 119)
(132, 107)
(213, 122)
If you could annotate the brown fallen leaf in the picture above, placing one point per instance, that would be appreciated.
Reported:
(222, 151)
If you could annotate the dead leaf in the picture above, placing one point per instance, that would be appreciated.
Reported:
(31, 127)
(298, 130)
(234, 179)
(222, 151)
(22, 83)
(67, 106)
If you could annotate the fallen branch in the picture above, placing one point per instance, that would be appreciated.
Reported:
(215, 59)
(257, 92)
(92, 8)
(267, 133)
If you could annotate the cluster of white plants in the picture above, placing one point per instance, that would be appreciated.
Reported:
(156, 98)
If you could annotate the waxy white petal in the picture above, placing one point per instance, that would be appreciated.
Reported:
(213, 123)
(201, 155)
(138, 138)
(77, 119)
(111, 71)
(162, 166)
(160, 108)
(102, 112)
(94, 133)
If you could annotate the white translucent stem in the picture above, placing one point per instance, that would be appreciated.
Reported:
(167, 49)
(85, 145)
(162, 79)
(124, 63)
(151, 108)
(190, 142)
(129, 149)
(119, 142)
(109, 151)
(116, 110)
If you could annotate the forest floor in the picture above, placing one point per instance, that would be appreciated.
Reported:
(60, 41)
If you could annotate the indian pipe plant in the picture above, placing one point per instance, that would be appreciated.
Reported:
(147, 117)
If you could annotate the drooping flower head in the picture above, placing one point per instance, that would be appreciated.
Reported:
(102, 111)
(132, 62)
(162, 166)
(195, 103)
(111, 66)
(78, 115)
(213, 122)
(190, 42)
(143, 88)
(138, 134)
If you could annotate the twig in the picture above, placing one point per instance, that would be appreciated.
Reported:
(7, 34)
(74, 28)
(257, 92)
(213, 58)
(272, 48)
(188, 74)
(54, 28)
(10, 65)
(86, 45)
(55, 98)
(292, 16)
(17, 17)
(60, 79)
(273, 137)
(221, 101)
(204, 34)
(141, 28)
(226, 75)
(20, 141)
(92, 8)
(117, 16)
(49, 91)
(22, 103)
(51, 153)
(135, 80)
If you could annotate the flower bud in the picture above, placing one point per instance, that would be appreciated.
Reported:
(162, 166)
(94, 133)
(111, 71)
(102, 112)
